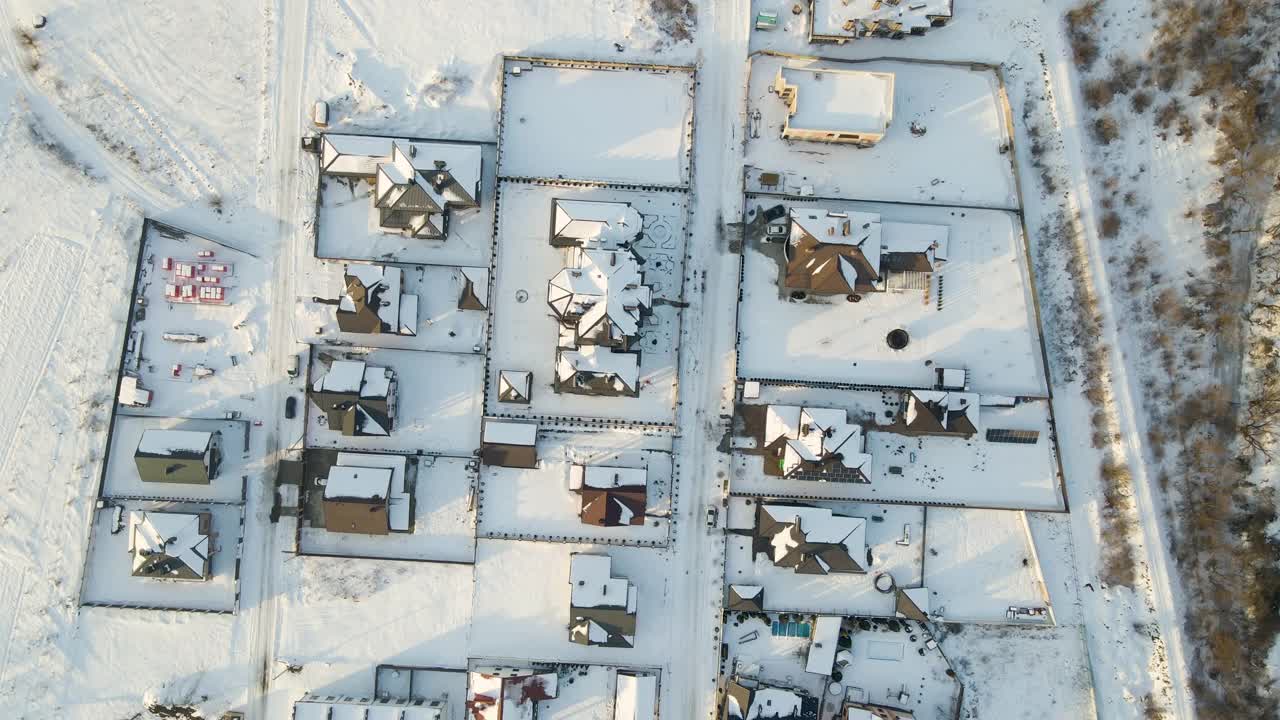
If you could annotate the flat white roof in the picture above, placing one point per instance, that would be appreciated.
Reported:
(364, 483)
(174, 442)
(840, 100)
(510, 432)
(823, 646)
(606, 476)
(636, 697)
(593, 586)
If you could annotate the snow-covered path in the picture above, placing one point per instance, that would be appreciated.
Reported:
(1154, 552)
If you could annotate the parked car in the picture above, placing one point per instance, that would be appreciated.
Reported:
(713, 514)
(320, 114)
(290, 407)
(294, 364)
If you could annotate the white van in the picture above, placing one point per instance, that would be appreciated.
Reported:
(294, 363)
(320, 114)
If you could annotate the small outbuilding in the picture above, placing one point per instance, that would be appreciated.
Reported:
(509, 443)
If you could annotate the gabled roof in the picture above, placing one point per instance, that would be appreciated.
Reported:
(810, 438)
(475, 288)
(594, 224)
(912, 603)
(598, 370)
(169, 546)
(811, 540)
(602, 608)
(941, 412)
(373, 302)
(370, 411)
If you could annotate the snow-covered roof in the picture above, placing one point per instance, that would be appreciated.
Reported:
(771, 702)
(514, 385)
(509, 432)
(592, 585)
(479, 278)
(622, 367)
(362, 154)
(903, 237)
(382, 289)
(133, 394)
(843, 101)
(942, 411)
(359, 483)
(175, 443)
(815, 434)
(398, 499)
(155, 536)
(601, 286)
(605, 477)
(823, 645)
(508, 693)
(821, 525)
(349, 376)
(635, 697)
(594, 224)
(814, 540)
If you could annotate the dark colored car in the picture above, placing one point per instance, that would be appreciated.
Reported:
(290, 407)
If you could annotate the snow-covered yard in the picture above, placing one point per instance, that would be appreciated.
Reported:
(538, 504)
(947, 144)
(443, 524)
(976, 314)
(536, 626)
(109, 578)
(979, 563)
(347, 224)
(576, 121)
(441, 325)
(438, 403)
(228, 485)
(525, 331)
(894, 537)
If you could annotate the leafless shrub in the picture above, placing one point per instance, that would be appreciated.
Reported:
(1098, 93)
(1140, 101)
(1109, 226)
(1105, 129)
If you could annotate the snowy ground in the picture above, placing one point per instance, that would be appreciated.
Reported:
(536, 626)
(961, 159)
(347, 224)
(550, 125)
(122, 478)
(978, 563)
(525, 331)
(537, 504)
(443, 523)
(978, 313)
(109, 580)
(441, 325)
(438, 403)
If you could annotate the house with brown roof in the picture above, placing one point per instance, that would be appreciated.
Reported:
(938, 412)
(356, 398)
(611, 496)
(417, 184)
(602, 608)
(817, 444)
(373, 303)
(810, 540)
(509, 443)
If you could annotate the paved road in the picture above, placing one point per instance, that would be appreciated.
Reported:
(707, 354)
